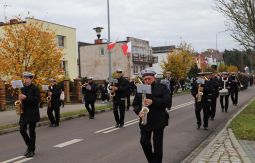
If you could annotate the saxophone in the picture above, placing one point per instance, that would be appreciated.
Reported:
(199, 93)
(18, 104)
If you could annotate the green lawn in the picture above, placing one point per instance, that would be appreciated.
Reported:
(243, 125)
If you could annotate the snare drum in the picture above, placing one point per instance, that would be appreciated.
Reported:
(223, 92)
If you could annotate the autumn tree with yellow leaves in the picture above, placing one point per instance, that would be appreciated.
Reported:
(29, 46)
(179, 61)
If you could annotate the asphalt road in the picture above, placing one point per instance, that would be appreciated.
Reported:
(82, 140)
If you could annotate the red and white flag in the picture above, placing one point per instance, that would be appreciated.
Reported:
(126, 48)
(111, 45)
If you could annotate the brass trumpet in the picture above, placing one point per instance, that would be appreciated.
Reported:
(138, 81)
(18, 105)
(84, 85)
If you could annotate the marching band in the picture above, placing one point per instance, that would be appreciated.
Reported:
(150, 104)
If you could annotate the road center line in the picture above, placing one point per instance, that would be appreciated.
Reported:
(68, 143)
(24, 160)
(13, 159)
(134, 121)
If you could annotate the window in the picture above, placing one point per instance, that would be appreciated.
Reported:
(101, 51)
(135, 69)
(65, 67)
(61, 41)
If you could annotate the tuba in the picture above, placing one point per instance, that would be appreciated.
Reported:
(18, 104)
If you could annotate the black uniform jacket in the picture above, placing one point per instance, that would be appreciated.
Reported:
(55, 97)
(30, 105)
(207, 91)
(123, 89)
(234, 85)
(158, 116)
(90, 95)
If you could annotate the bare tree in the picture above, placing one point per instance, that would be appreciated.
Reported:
(241, 20)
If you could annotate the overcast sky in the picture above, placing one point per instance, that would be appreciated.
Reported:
(161, 22)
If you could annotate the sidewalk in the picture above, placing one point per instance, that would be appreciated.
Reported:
(225, 148)
(10, 117)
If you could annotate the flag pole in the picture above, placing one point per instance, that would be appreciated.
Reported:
(109, 39)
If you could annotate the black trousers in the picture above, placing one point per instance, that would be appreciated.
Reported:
(90, 106)
(234, 96)
(128, 100)
(119, 111)
(54, 119)
(153, 156)
(224, 105)
(31, 137)
(206, 112)
(213, 107)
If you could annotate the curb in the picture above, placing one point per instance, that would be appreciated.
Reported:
(233, 139)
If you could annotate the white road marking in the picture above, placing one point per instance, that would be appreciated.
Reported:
(13, 159)
(68, 143)
(24, 160)
(134, 121)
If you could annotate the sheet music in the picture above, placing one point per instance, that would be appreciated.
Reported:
(45, 87)
(143, 88)
(17, 84)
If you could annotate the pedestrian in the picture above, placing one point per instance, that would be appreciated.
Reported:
(119, 90)
(89, 90)
(103, 92)
(54, 103)
(200, 91)
(62, 98)
(157, 117)
(30, 99)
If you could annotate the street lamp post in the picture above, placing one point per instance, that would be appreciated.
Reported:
(217, 38)
(109, 39)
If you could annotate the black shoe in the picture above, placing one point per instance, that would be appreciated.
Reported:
(226, 110)
(27, 151)
(30, 154)
(198, 126)
(117, 125)
(205, 128)
(52, 125)
(121, 125)
(222, 110)
(56, 125)
(91, 117)
(212, 118)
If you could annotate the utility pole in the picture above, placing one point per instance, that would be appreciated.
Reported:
(4, 7)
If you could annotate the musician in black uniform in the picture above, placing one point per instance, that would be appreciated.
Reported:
(121, 87)
(214, 95)
(157, 117)
(224, 84)
(89, 91)
(200, 91)
(30, 97)
(54, 92)
(234, 88)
